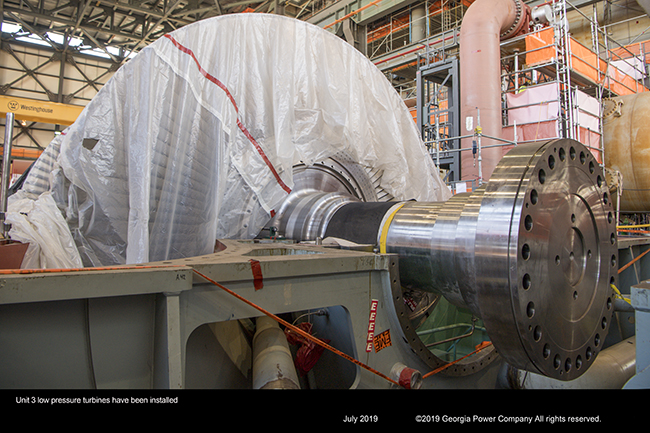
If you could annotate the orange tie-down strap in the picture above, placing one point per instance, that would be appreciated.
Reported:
(327, 346)
(478, 348)
(271, 315)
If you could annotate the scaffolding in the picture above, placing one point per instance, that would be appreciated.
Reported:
(552, 87)
(438, 112)
(396, 30)
(577, 79)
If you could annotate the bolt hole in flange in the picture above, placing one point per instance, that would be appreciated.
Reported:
(566, 258)
(528, 223)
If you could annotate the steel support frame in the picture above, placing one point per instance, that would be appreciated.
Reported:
(640, 299)
(129, 327)
(445, 73)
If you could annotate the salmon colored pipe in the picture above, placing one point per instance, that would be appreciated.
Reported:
(485, 23)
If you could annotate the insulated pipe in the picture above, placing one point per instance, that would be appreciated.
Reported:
(484, 25)
(614, 367)
(273, 366)
(418, 23)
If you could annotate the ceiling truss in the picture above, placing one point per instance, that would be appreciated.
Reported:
(65, 50)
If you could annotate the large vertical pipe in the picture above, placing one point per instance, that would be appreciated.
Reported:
(484, 25)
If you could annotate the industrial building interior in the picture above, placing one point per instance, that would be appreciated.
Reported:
(325, 194)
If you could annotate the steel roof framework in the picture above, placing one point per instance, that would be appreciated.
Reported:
(65, 50)
(82, 42)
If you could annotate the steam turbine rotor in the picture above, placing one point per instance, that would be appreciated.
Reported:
(532, 253)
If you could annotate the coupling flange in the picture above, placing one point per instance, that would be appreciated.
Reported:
(545, 257)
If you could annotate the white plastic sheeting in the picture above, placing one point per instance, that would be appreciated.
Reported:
(195, 138)
(536, 112)
(40, 224)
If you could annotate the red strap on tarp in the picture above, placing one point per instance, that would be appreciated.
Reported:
(240, 125)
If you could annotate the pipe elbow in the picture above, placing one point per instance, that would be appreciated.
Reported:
(507, 18)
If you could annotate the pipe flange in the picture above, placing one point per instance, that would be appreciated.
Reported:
(519, 21)
(612, 107)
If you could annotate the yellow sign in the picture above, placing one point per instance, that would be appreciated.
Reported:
(33, 110)
(382, 341)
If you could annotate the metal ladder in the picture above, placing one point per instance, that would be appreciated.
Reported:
(446, 17)
(600, 90)
(568, 127)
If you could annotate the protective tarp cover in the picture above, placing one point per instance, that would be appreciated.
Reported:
(39, 224)
(195, 138)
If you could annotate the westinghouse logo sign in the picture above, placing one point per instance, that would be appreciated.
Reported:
(40, 110)
(14, 106)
